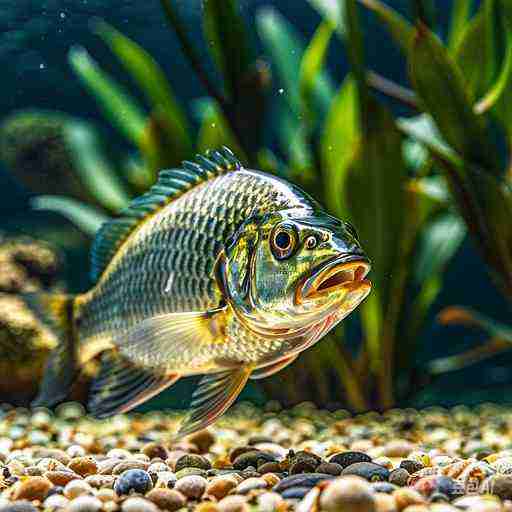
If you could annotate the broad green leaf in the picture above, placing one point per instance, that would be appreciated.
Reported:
(96, 172)
(333, 11)
(460, 15)
(85, 217)
(226, 34)
(313, 60)
(285, 47)
(122, 110)
(152, 81)
(400, 28)
(339, 143)
(214, 131)
(441, 88)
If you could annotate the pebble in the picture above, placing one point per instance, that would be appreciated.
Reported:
(84, 504)
(233, 504)
(192, 486)
(191, 460)
(303, 480)
(155, 450)
(137, 504)
(252, 458)
(346, 459)
(367, 470)
(133, 480)
(77, 488)
(250, 484)
(83, 466)
(35, 488)
(203, 440)
(219, 487)
(167, 499)
(348, 494)
(399, 476)
(55, 501)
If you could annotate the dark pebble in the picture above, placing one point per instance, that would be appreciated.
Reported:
(439, 497)
(303, 462)
(303, 480)
(399, 476)
(499, 485)
(56, 489)
(191, 460)
(411, 466)
(269, 467)
(329, 468)
(133, 480)
(384, 487)
(239, 450)
(259, 439)
(253, 458)
(295, 493)
(429, 485)
(368, 470)
(346, 459)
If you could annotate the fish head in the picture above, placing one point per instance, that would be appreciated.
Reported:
(290, 269)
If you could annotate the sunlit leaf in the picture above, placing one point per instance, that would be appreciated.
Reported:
(286, 47)
(312, 61)
(400, 29)
(226, 34)
(339, 144)
(85, 217)
(122, 110)
(460, 15)
(152, 81)
(333, 11)
(441, 87)
(98, 174)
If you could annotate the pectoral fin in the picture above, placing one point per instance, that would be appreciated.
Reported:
(157, 340)
(267, 371)
(120, 386)
(216, 392)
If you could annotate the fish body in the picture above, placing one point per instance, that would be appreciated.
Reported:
(218, 271)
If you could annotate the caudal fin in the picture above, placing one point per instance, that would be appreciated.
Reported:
(56, 312)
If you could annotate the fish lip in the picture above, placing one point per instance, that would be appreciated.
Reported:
(351, 269)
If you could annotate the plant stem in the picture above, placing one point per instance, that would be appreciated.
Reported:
(392, 89)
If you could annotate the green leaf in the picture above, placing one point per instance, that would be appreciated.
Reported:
(285, 47)
(214, 131)
(339, 143)
(96, 172)
(85, 217)
(122, 110)
(152, 81)
(400, 29)
(460, 15)
(313, 60)
(333, 11)
(226, 34)
(441, 88)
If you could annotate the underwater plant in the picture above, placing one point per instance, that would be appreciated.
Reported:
(398, 180)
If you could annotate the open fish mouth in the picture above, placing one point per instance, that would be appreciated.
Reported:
(347, 273)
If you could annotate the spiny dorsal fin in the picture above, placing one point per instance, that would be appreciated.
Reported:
(171, 184)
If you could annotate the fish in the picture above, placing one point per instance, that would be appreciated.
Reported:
(219, 271)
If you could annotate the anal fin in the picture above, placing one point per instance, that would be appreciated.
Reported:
(215, 393)
(269, 370)
(120, 385)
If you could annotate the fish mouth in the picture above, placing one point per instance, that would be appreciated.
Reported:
(346, 273)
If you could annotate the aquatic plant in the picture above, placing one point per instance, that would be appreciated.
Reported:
(396, 179)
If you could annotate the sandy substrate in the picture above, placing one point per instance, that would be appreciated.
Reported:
(302, 459)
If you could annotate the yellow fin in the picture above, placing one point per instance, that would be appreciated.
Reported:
(267, 371)
(215, 393)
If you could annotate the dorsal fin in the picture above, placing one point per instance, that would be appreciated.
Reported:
(171, 184)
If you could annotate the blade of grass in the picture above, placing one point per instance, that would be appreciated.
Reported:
(333, 13)
(122, 110)
(460, 15)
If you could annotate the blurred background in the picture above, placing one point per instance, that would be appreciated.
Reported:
(286, 106)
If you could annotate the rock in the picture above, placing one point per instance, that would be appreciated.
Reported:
(193, 486)
(367, 470)
(411, 466)
(167, 499)
(384, 487)
(406, 497)
(438, 483)
(250, 484)
(307, 480)
(270, 502)
(220, 486)
(34, 488)
(348, 494)
(192, 461)
(128, 465)
(329, 468)
(61, 477)
(295, 493)
(384, 503)
(345, 459)
(133, 480)
(83, 466)
(303, 462)
(269, 467)
(203, 439)
(233, 503)
(499, 485)
(252, 458)
(137, 504)
(399, 476)
(18, 506)
(398, 448)
(191, 471)
(85, 504)
(55, 501)
(154, 450)
(77, 488)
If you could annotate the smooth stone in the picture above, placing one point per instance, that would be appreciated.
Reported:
(303, 480)
(367, 470)
(345, 459)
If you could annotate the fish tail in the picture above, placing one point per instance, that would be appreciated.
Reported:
(56, 311)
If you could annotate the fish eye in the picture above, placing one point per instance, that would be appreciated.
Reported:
(283, 242)
(310, 242)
